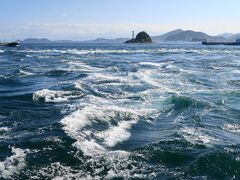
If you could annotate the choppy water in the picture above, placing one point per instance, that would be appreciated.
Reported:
(120, 111)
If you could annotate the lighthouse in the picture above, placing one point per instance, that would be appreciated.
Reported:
(133, 35)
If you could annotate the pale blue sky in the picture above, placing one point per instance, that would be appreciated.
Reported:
(86, 19)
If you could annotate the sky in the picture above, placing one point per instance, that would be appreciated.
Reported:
(89, 19)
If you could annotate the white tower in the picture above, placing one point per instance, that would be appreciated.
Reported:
(133, 36)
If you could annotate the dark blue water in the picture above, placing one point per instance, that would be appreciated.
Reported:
(115, 111)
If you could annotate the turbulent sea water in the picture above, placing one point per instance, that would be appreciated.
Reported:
(116, 111)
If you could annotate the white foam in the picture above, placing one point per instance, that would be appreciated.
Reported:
(78, 85)
(107, 77)
(196, 137)
(79, 125)
(150, 64)
(235, 128)
(172, 68)
(73, 125)
(25, 73)
(114, 161)
(145, 75)
(236, 71)
(83, 52)
(39, 51)
(90, 147)
(4, 129)
(104, 80)
(104, 51)
(55, 96)
(54, 139)
(43, 57)
(136, 51)
(117, 134)
(78, 65)
(1, 51)
(76, 121)
(55, 171)
(14, 164)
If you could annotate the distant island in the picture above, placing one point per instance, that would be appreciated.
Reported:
(186, 36)
(35, 40)
(177, 35)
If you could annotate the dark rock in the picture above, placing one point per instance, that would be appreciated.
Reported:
(142, 37)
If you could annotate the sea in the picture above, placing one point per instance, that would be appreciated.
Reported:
(119, 111)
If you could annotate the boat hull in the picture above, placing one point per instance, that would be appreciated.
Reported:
(11, 44)
(222, 43)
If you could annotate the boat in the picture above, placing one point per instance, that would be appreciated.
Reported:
(234, 43)
(10, 44)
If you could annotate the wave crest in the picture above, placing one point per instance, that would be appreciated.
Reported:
(47, 95)
(14, 164)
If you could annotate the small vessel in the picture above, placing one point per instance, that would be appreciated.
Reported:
(233, 43)
(11, 44)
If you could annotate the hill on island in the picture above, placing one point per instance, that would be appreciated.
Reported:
(165, 36)
(35, 40)
(141, 37)
(172, 36)
(104, 40)
(188, 36)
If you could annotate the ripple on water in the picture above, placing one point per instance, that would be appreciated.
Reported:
(167, 99)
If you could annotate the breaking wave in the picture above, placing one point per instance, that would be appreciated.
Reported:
(115, 124)
(196, 136)
(13, 165)
(47, 95)
(235, 128)
(90, 111)
(128, 51)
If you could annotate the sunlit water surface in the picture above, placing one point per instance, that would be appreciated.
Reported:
(120, 111)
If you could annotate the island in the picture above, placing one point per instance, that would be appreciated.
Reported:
(141, 37)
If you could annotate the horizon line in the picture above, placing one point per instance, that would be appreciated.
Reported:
(119, 37)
